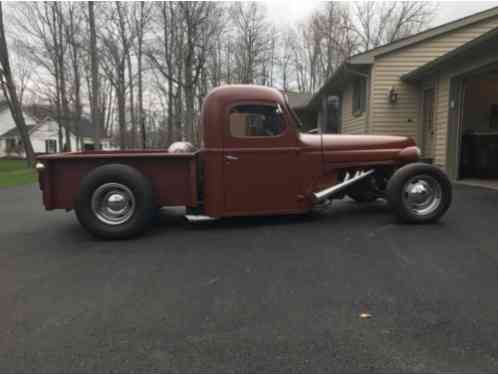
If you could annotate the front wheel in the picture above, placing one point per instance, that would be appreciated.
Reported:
(419, 193)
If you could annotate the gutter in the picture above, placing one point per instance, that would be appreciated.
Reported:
(356, 72)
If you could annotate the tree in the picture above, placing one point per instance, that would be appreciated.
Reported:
(95, 90)
(252, 41)
(335, 31)
(43, 38)
(117, 38)
(197, 18)
(10, 93)
(141, 20)
(162, 59)
(73, 29)
(378, 23)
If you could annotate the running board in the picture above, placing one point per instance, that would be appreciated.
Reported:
(199, 218)
(348, 181)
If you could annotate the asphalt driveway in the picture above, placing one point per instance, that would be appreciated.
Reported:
(251, 295)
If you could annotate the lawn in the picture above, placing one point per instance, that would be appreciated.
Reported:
(15, 172)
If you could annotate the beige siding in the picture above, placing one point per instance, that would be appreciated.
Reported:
(351, 124)
(404, 118)
(441, 120)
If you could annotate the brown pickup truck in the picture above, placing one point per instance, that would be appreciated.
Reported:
(254, 160)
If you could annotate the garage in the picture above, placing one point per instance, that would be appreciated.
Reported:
(478, 151)
(458, 125)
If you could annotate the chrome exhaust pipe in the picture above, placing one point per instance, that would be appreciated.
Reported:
(348, 181)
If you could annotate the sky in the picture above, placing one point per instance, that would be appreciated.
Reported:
(293, 11)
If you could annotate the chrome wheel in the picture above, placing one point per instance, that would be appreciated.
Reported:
(113, 203)
(422, 195)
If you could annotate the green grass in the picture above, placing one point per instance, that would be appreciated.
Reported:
(15, 172)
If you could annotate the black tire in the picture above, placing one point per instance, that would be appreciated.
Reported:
(139, 190)
(408, 178)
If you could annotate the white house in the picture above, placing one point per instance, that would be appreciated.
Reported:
(44, 135)
(7, 124)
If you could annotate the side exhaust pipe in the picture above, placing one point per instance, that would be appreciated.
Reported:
(348, 181)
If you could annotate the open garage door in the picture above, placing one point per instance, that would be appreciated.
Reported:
(479, 128)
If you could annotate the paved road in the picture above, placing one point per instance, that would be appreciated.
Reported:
(252, 295)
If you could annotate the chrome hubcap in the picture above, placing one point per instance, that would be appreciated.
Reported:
(113, 203)
(422, 195)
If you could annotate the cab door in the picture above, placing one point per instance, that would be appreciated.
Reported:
(260, 161)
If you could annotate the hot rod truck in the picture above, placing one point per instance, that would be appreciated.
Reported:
(253, 160)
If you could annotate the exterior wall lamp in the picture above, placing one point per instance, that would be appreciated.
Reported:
(393, 95)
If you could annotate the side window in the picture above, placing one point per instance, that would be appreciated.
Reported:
(256, 121)
(359, 96)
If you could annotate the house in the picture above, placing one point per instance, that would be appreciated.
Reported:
(82, 137)
(7, 125)
(44, 135)
(299, 102)
(439, 86)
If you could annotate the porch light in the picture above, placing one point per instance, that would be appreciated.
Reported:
(393, 95)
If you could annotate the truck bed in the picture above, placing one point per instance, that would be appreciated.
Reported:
(173, 175)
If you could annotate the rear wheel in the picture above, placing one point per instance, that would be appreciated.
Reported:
(115, 202)
(419, 193)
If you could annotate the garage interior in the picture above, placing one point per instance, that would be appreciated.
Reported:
(478, 164)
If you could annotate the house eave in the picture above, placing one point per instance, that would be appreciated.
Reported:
(472, 49)
(370, 55)
(339, 80)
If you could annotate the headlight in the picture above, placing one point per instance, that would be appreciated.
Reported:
(40, 167)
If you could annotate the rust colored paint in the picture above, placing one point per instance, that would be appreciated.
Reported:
(266, 175)
(173, 180)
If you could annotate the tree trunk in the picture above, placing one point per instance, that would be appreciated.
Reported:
(94, 106)
(168, 51)
(58, 108)
(66, 117)
(189, 100)
(179, 130)
(141, 115)
(133, 123)
(10, 93)
(121, 99)
(76, 78)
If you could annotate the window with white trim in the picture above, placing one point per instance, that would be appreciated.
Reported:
(359, 96)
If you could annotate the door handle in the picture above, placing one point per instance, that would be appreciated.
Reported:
(231, 157)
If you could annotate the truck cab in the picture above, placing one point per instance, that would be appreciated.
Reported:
(250, 152)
